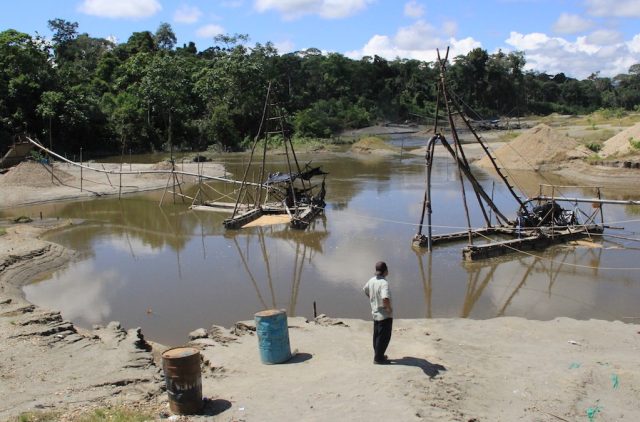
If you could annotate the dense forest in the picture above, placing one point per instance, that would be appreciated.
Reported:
(148, 93)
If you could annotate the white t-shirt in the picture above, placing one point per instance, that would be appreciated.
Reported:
(377, 288)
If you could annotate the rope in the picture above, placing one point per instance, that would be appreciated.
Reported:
(406, 223)
(511, 247)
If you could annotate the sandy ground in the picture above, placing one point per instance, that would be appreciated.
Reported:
(31, 183)
(503, 369)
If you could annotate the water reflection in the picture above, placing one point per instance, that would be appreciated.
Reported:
(170, 270)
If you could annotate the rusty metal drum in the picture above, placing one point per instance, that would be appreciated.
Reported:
(273, 336)
(182, 375)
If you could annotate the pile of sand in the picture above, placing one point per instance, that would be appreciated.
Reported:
(373, 145)
(535, 147)
(32, 174)
(620, 144)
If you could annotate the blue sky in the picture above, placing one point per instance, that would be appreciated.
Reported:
(577, 37)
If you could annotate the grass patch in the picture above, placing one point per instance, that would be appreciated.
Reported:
(635, 143)
(45, 416)
(598, 136)
(117, 415)
(593, 158)
(508, 136)
(3, 231)
(613, 117)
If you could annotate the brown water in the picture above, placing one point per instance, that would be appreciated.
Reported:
(170, 270)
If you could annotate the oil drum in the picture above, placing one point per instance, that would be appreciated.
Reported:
(273, 336)
(182, 375)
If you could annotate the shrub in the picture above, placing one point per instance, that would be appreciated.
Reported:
(595, 147)
(634, 144)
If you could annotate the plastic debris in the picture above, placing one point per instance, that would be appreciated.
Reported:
(593, 411)
(574, 342)
(615, 381)
(574, 365)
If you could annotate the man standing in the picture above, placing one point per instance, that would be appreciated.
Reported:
(377, 290)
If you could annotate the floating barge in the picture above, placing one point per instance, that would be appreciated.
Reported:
(540, 222)
(290, 194)
(526, 240)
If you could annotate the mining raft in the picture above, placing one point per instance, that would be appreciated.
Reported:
(546, 219)
(290, 196)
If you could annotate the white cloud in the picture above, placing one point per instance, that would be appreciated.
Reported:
(571, 24)
(131, 245)
(284, 47)
(418, 41)
(413, 9)
(634, 44)
(450, 28)
(328, 9)
(615, 8)
(120, 8)
(187, 14)
(604, 37)
(233, 4)
(209, 31)
(600, 51)
(81, 280)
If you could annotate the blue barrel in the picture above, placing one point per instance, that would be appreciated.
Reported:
(273, 336)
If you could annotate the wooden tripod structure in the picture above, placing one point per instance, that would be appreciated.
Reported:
(457, 152)
(290, 193)
(544, 225)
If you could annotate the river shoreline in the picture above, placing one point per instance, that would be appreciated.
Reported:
(444, 369)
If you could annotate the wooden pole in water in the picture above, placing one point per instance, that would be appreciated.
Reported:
(601, 212)
(51, 148)
(80, 169)
(456, 143)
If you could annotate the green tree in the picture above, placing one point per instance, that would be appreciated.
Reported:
(164, 37)
(25, 74)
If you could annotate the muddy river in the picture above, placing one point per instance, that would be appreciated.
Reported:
(170, 270)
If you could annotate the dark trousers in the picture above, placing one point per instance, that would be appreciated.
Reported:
(381, 337)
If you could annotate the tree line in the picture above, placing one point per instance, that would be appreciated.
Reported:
(148, 94)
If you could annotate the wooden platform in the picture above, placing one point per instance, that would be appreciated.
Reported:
(420, 241)
(240, 220)
(529, 239)
(538, 241)
(302, 220)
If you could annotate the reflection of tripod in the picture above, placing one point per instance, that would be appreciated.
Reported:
(302, 253)
(478, 279)
(267, 267)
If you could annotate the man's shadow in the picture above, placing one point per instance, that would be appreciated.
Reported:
(430, 369)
